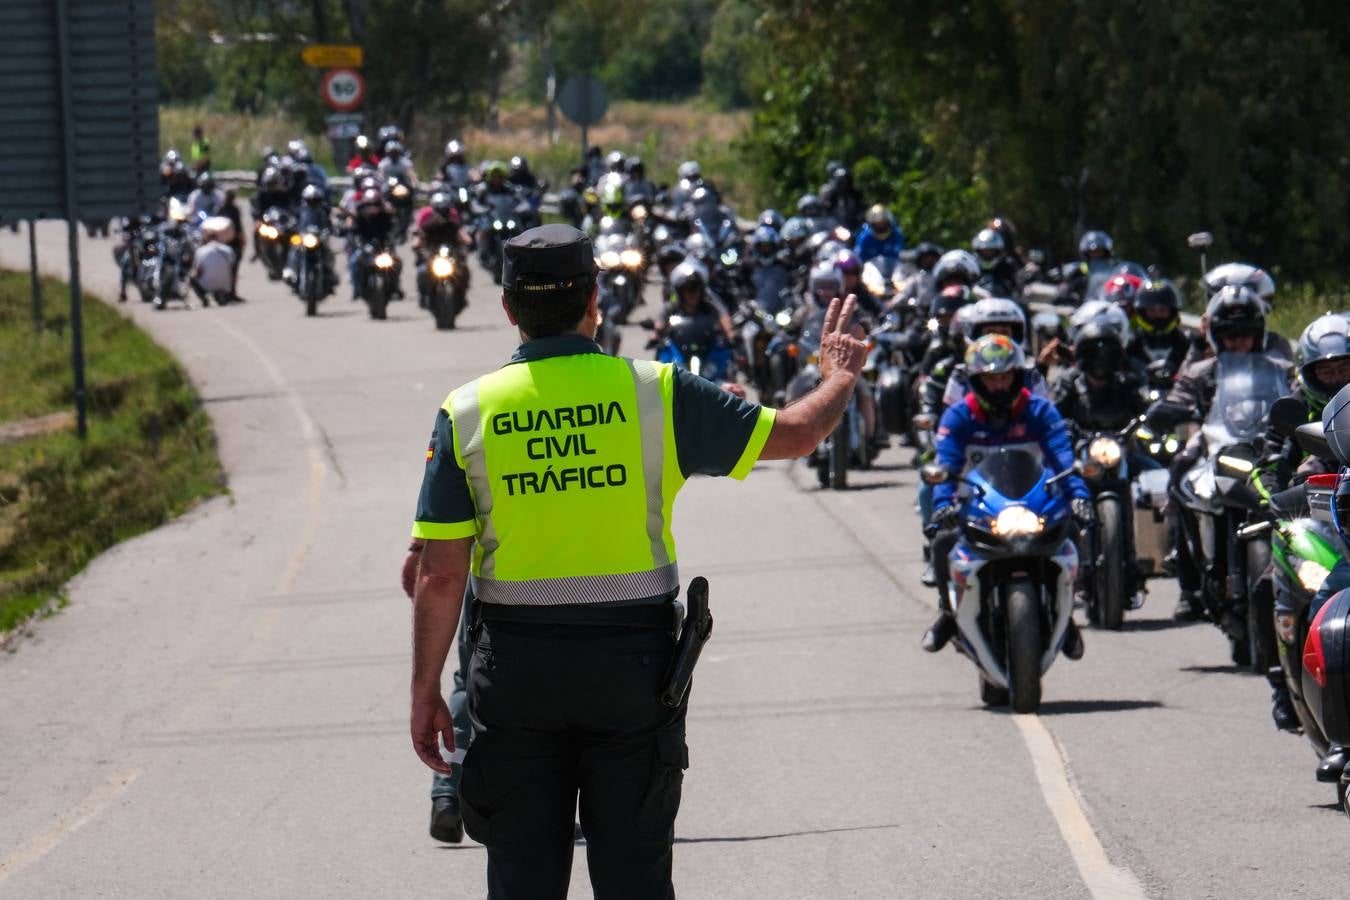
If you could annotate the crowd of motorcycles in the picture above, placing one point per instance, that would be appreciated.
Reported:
(1215, 455)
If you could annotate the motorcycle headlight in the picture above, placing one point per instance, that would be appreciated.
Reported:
(1236, 464)
(497, 224)
(311, 241)
(1171, 445)
(639, 213)
(442, 267)
(784, 318)
(934, 325)
(268, 232)
(295, 240)
(631, 258)
(1105, 450)
(729, 257)
(610, 259)
(1311, 574)
(384, 261)
(400, 191)
(873, 282)
(1017, 521)
(510, 223)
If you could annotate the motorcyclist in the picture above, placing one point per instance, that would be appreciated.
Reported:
(818, 218)
(453, 167)
(992, 315)
(998, 270)
(270, 160)
(595, 164)
(667, 258)
(1235, 322)
(773, 218)
(364, 155)
(956, 267)
(1096, 251)
(637, 187)
(769, 272)
(880, 236)
(689, 176)
(614, 161)
(438, 225)
(842, 200)
(207, 198)
(850, 269)
(175, 177)
(1324, 368)
(1100, 393)
(313, 213)
(692, 297)
(1156, 340)
(396, 165)
(373, 224)
(314, 173)
(271, 193)
(521, 176)
(998, 411)
(611, 210)
(387, 136)
(919, 287)
(494, 183)
(1260, 282)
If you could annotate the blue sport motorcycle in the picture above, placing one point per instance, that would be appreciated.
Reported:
(1012, 573)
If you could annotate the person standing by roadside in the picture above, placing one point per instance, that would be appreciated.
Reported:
(200, 151)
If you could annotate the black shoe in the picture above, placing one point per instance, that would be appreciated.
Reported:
(939, 633)
(1282, 710)
(446, 825)
(1189, 608)
(1332, 765)
(1073, 641)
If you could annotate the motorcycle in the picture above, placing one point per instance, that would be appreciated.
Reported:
(313, 276)
(274, 240)
(847, 445)
(445, 288)
(1012, 573)
(697, 344)
(1103, 460)
(620, 277)
(378, 270)
(400, 195)
(1217, 501)
(166, 258)
(499, 220)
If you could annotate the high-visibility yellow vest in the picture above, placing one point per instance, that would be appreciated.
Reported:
(572, 465)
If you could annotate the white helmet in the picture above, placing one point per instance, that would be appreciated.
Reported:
(994, 311)
(1240, 274)
(1103, 312)
(957, 262)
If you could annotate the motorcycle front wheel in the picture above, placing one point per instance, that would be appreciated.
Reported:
(376, 297)
(839, 452)
(443, 306)
(1110, 575)
(1023, 613)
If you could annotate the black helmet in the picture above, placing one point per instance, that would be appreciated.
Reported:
(686, 274)
(1336, 428)
(671, 254)
(809, 205)
(634, 167)
(1157, 308)
(1098, 350)
(206, 181)
(771, 217)
(1094, 241)
(1235, 311)
(519, 164)
(929, 249)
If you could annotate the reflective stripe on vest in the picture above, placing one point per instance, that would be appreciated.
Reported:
(571, 461)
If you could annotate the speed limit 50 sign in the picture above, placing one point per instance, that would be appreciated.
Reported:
(343, 89)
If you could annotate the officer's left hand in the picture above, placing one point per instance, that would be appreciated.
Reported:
(431, 723)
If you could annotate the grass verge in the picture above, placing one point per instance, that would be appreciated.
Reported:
(150, 454)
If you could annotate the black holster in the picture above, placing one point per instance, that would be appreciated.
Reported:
(698, 623)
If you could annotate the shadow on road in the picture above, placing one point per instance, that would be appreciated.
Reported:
(1151, 624)
(737, 839)
(1074, 707)
(1229, 669)
(872, 486)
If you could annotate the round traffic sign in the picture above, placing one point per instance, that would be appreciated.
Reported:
(343, 89)
(583, 99)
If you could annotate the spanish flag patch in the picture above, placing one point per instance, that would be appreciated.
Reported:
(431, 451)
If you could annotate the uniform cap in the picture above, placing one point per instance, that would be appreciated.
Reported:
(547, 258)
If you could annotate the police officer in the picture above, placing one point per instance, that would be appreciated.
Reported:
(550, 483)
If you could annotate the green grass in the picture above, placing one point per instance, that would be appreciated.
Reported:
(1298, 304)
(237, 140)
(150, 454)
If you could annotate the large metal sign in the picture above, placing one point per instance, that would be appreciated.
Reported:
(78, 73)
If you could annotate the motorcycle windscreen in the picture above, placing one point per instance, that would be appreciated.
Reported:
(1011, 471)
(1326, 669)
(693, 333)
(1246, 387)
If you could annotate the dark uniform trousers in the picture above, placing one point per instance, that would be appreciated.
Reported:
(563, 709)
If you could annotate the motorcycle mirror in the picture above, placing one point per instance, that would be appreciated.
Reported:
(933, 473)
(1037, 256)
(1287, 414)
(1201, 240)
(1313, 440)
(647, 324)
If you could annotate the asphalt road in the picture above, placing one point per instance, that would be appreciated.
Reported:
(221, 711)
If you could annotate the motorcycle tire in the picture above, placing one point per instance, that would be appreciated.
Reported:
(991, 694)
(1110, 577)
(443, 307)
(1023, 615)
(839, 454)
(1260, 612)
(822, 470)
(377, 299)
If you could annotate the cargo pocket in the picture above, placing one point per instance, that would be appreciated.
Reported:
(656, 818)
(476, 820)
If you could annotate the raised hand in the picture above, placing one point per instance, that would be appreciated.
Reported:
(841, 347)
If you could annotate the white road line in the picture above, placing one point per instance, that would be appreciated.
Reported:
(1104, 880)
(94, 804)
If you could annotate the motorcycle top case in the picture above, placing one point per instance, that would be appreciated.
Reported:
(1326, 669)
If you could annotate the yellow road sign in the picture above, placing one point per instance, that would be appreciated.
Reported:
(332, 56)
